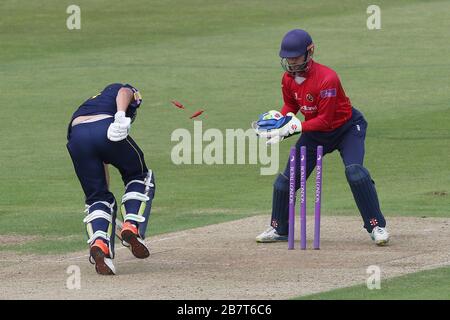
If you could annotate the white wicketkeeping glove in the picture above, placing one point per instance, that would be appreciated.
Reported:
(118, 130)
(293, 126)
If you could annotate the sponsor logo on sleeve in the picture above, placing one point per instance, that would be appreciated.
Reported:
(328, 93)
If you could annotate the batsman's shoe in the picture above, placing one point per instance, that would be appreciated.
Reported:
(271, 235)
(99, 255)
(380, 236)
(132, 240)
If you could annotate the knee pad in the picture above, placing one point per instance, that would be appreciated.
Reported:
(280, 204)
(137, 202)
(356, 173)
(365, 194)
(281, 183)
(101, 216)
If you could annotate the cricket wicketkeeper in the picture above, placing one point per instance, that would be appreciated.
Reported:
(98, 136)
(330, 120)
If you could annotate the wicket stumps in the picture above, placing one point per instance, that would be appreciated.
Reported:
(292, 197)
(303, 198)
(292, 166)
(318, 198)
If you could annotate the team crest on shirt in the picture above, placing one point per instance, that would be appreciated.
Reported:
(309, 97)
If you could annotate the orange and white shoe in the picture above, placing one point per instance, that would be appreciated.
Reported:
(101, 258)
(132, 240)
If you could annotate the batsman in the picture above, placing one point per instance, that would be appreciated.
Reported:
(330, 120)
(98, 135)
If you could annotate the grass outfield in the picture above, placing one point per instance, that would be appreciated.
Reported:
(425, 285)
(221, 56)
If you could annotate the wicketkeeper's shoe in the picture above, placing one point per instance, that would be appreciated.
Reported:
(380, 236)
(271, 235)
(132, 240)
(99, 255)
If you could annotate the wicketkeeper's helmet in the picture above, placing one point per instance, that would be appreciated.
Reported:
(296, 43)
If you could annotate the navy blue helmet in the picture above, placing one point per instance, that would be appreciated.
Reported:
(296, 43)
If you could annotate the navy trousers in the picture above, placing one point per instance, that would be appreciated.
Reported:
(349, 141)
(90, 148)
